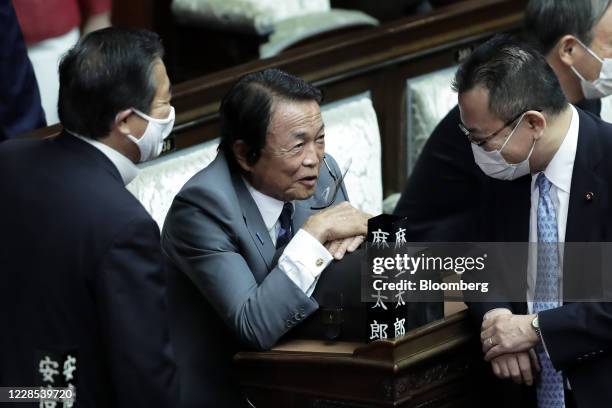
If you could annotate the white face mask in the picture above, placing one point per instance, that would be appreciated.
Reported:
(602, 86)
(152, 140)
(494, 165)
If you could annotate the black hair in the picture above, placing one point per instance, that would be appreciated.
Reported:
(517, 77)
(246, 109)
(107, 71)
(546, 21)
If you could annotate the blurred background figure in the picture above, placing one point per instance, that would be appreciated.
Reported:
(20, 109)
(50, 28)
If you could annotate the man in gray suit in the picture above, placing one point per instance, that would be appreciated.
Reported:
(250, 235)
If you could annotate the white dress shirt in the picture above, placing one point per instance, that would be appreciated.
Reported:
(304, 257)
(559, 173)
(126, 168)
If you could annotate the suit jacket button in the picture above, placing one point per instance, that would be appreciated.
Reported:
(288, 323)
(589, 196)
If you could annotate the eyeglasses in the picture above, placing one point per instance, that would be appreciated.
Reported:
(481, 141)
(336, 187)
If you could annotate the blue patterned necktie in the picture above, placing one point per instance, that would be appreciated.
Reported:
(285, 232)
(550, 389)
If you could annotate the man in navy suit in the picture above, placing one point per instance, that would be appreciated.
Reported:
(548, 183)
(83, 295)
(442, 196)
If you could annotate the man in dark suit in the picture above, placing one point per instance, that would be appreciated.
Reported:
(251, 235)
(82, 300)
(442, 196)
(20, 110)
(521, 128)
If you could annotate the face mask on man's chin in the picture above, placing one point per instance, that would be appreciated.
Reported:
(602, 86)
(151, 142)
(493, 164)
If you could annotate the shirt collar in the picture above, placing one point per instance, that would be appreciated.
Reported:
(127, 169)
(559, 170)
(269, 207)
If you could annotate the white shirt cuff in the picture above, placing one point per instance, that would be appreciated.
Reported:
(303, 260)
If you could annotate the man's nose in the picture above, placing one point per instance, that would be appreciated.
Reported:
(312, 157)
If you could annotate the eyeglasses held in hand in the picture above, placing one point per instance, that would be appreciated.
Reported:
(336, 187)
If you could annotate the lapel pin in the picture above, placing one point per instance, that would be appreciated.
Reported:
(589, 196)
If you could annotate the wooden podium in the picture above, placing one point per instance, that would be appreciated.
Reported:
(433, 366)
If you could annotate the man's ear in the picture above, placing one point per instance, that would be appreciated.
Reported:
(240, 153)
(536, 122)
(121, 125)
(566, 49)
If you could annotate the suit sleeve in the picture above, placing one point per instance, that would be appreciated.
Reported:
(20, 110)
(576, 332)
(200, 238)
(132, 300)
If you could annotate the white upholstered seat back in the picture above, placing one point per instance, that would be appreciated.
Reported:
(258, 16)
(430, 98)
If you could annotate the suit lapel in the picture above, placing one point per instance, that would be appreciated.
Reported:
(254, 222)
(510, 203)
(588, 192)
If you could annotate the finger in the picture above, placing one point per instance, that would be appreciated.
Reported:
(515, 372)
(341, 250)
(535, 362)
(486, 324)
(524, 362)
(494, 351)
(505, 373)
(487, 344)
(496, 368)
(487, 333)
(332, 246)
(355, 242)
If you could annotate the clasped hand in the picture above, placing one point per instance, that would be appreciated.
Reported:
(340, 229)
(508, 342)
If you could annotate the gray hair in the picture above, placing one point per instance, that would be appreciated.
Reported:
(546, 21)
(517, 77)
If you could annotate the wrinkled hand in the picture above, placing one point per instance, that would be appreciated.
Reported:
(521, 367)
(339, 247)
(337, 223)
(505, 333)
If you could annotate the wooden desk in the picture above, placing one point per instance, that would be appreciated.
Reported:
(429, 367)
